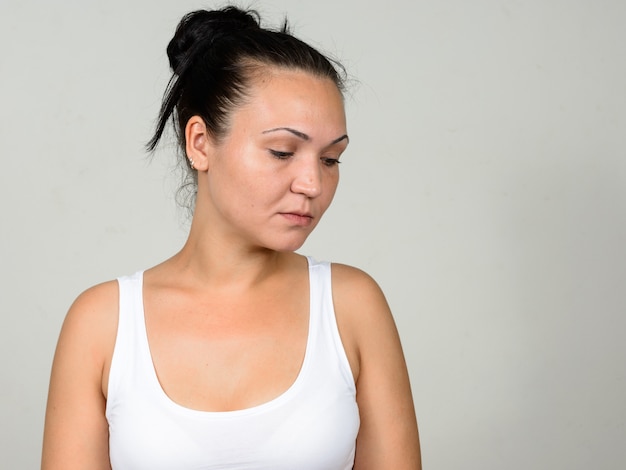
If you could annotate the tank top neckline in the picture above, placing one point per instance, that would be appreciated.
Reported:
(160, 394)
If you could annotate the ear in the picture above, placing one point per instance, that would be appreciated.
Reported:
(199, 145)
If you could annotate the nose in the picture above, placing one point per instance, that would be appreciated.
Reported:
(307, 179)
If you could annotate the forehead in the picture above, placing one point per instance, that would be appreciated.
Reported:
(280, 97)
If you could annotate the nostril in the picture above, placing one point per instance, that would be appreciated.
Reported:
(309, 187)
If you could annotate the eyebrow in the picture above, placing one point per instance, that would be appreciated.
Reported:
(304, 136)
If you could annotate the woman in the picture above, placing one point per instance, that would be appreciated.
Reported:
(237, 352)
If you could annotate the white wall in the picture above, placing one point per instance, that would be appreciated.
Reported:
(484, 187)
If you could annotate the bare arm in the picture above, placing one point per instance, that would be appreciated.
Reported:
(76, 431)
(388, 437)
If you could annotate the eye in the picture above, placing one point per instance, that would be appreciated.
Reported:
(330, 161)
(280, 155)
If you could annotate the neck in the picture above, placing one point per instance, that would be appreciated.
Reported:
(212, 256)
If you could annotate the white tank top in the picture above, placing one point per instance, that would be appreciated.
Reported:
(312, 425)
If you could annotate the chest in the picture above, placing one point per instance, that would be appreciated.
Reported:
(287, 433)
(311, 423)
(227, 354)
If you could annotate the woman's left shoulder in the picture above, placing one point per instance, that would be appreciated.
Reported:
(357, 291)
(388, 436)
(363, 316)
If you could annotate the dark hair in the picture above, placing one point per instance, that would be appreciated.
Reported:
(213, 55)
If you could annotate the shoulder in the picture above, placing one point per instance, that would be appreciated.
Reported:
(349, 276)
(90, 325)
(75, 427)
(94, 307)
(388, 436)
(357, 292)
(362, 313)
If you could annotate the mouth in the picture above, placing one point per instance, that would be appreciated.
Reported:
(301, 219)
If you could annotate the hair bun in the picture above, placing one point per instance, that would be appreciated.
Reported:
(204, 27)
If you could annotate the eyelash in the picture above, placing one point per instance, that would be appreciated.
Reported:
(281, 155)
(285, 155)
(330, 161)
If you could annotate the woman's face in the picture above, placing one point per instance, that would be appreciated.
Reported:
(274, 174)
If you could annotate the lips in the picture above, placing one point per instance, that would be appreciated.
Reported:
(298, 218)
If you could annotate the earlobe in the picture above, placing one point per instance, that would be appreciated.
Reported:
(198, 144)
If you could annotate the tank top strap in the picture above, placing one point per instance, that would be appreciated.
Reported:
(323, 320)
(131, 324)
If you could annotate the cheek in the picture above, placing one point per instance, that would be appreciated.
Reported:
(329, 190)
(255, 190)
(236, 176)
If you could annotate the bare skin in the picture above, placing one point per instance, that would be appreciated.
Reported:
(232, 305)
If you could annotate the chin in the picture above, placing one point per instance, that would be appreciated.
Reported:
(288, 245)
(289, 248)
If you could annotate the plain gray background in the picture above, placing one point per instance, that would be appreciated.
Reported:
(484, 188)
